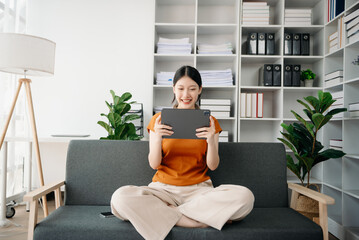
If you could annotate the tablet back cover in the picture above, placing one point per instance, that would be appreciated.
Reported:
(184, 122)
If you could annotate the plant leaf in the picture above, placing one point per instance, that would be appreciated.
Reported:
(109, 106)
(126, 96)
(314, 102)
(288, 144)
(131, 117)
(295, 168)
(305, 105)
(336, 111)
(320, 120)
(106, 126)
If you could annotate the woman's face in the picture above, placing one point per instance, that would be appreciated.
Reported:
(186, 91)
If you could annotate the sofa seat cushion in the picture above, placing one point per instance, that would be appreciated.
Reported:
(83, 222)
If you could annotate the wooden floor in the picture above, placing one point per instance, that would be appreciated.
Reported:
(19, 232)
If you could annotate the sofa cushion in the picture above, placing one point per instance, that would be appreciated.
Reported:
(84, 222)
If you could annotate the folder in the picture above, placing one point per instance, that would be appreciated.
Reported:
(243, 105)
(270, 44)
(261, 44)
(248, 105)
(276, 75)
(252, 44)
(288, 44)
(296, 76)
(254, 104)
(259, 105)
(305, 43)
(287, 75)
(268, 75)
(296, 43)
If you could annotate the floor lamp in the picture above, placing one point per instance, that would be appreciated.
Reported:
(28, 55)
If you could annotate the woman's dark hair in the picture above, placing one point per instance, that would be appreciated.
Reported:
(190, 72)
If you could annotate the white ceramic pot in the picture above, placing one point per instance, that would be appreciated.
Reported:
(309, 82)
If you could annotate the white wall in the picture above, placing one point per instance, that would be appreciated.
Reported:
(100, 45)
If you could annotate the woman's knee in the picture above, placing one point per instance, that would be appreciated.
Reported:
(120, 200)
(240, 194)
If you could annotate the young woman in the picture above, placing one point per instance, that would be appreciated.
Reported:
(181, 192)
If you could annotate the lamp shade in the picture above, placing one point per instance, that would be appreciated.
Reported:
(20, 52)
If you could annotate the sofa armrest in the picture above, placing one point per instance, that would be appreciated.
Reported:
(323, 200)
(34, 196)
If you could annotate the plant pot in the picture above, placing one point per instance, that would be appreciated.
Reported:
(308, 82)
(307, 207)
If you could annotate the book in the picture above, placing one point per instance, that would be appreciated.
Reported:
(216, 101)
(243, 105)
(337, 73)
(332, 82)
(297, 10)
(260, 105)
(223, 139)
(336, 143)
(333, 42)
(248, 105)
(216, 108)
(339, 94)
(353, 38)
(333, 36)
(351, 16)
(220, 114)
(333, 48)
(354, 114)
(352, 23)
(254, 105)
(224, 134)
(353, 30)
(353, 106)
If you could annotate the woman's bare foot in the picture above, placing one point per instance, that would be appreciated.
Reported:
(185, 221)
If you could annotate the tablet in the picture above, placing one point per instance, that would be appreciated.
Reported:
(184, 122)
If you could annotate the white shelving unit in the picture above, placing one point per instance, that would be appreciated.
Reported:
(211, 21)
(202, 21)
(341, 179)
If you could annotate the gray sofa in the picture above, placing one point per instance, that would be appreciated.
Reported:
(96, 168)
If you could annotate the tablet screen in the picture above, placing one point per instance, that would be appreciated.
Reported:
(184, 122)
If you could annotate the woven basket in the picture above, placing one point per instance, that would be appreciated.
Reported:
(307, 207)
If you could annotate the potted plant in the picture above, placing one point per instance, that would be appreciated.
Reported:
(308, 77)
(119, 126)
(302, 138)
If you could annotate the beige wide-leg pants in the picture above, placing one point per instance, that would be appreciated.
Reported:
(147, 207)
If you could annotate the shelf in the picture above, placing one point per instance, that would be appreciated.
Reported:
(260, 119)
(261, 88)
(263, 59)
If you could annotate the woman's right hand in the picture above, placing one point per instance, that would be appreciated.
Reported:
(161, 129)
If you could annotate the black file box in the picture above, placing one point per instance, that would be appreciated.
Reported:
(296, 76)
(276, 74)
(268, 75)
(270, 44)
(252, 44)
(288, 44)
(287, 75)
(261, 44)
(305, 43)
(296, 44)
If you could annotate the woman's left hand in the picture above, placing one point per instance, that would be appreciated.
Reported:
(207, 132)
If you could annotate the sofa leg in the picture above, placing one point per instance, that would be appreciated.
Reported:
(32, 219)
(323, 219)
(58, 199)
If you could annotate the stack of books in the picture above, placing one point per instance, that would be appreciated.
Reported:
(219, 107)
(333, 78)
(165, 78)
(336, 39)
(223, 136)
(339, 103)
(217, 77)
(336, 144)
(298, 17)
(251, 105)
(224, 48)
(255, 13)
(174, 46)
(353, 109)
(352, 26)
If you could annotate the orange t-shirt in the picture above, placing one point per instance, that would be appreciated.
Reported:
(183, 160)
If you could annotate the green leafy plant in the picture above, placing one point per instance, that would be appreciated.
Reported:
(302, 139)
(119, 126)
(307, 74)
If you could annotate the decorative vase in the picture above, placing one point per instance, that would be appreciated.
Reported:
(308, 82)
(307, 207)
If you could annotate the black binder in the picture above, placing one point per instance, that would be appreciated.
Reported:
(305, 43)
(261, 44)
(296, 44)
(252, 44)
(287, 75)
(270, 44)
(268, 75)
(296, 76)
(276, 74)
(288, 44)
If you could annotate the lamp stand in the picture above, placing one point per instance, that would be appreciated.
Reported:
(27, 82)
